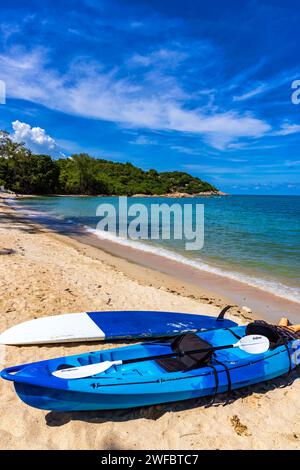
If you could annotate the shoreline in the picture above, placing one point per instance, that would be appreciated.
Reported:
(195, 281)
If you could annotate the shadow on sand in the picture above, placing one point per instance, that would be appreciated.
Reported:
(155, 412)
(6, 251)
(27, 224)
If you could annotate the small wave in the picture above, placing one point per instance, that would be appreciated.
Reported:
(273, 287)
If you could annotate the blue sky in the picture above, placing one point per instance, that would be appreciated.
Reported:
(196, 86)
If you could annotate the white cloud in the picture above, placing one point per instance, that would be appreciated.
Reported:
(136, 24)
(292, 163)
(143, 140)
(187, 150)
(34, 138)
(8, 30)
(151, 100)
(213, 169)
(282, 79)
(276, 171)
(163, 58)
(287, 129)
(256, 91)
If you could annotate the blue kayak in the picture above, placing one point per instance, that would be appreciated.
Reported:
(149, 382)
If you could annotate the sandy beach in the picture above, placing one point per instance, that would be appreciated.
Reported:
(43, 272)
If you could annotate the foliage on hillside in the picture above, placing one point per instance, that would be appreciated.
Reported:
(27, 173)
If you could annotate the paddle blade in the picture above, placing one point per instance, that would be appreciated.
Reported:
(84, 371)
(254, 344)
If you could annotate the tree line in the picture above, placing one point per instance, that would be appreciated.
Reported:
(24, 172)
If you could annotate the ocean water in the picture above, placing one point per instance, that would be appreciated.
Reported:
(254, 239)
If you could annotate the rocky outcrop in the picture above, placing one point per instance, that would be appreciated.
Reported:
(182, 195)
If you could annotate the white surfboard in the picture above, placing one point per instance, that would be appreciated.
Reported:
(56, 329)
(97, 326)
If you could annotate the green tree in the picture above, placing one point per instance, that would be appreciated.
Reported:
(25, 172)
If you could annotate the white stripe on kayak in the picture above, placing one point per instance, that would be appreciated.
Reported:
(67, 328)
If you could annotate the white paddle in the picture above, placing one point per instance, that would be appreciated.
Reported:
(251, 344)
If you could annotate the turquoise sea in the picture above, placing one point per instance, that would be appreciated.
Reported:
(255, 239)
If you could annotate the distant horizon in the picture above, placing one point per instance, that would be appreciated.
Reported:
(162, 85)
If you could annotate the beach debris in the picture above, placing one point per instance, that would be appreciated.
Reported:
(239, 428)
(68, 290)
(6, 251)
(246, 309)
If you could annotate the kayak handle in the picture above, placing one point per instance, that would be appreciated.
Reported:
(222, 313)
(9, 372)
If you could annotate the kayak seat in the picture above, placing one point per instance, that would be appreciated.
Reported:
(181, 345)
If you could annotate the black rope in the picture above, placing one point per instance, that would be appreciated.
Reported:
(290, 359)
(213, 398)
(233, 333)
(229, 388)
